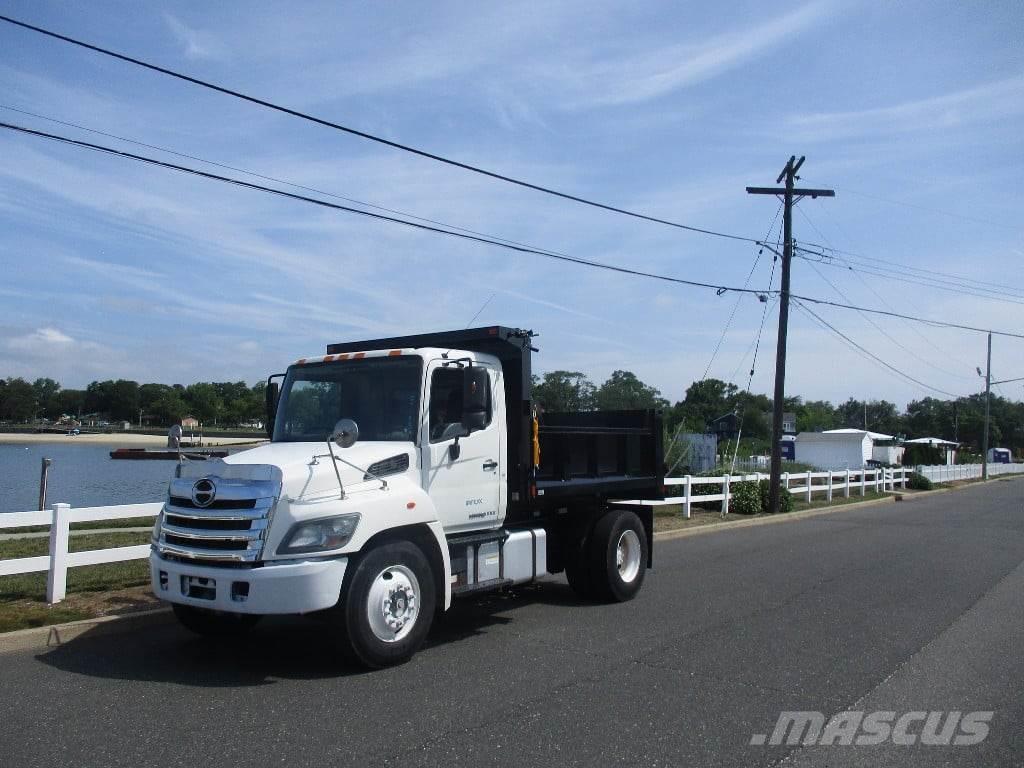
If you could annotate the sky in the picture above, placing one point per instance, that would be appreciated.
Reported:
(911, 111)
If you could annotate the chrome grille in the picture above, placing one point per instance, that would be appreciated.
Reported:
(231, 527)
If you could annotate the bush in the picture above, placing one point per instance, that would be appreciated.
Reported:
(785, 497)
(919, 482)
(746, 499)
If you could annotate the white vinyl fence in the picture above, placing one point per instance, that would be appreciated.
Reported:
(947, 474)
(57, 562)
(807, 485)
(803, 484)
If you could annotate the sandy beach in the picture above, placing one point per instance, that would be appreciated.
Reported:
(119, 439)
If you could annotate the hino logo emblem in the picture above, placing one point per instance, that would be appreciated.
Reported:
(203, 493)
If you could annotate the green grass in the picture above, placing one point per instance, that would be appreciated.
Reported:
(128, 522)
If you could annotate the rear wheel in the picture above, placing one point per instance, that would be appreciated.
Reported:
(618, 556)
(214, 623)
(388, 606)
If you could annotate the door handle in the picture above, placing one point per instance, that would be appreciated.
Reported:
(490, 464)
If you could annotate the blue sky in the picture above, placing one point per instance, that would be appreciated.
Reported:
(113, 269)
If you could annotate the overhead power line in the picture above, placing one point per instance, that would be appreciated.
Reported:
(265, 177)
(868, 353)
(979, 293)
(369, 136)
(914, 327)
(718, 287)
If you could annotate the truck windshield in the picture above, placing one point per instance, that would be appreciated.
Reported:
(382, 395)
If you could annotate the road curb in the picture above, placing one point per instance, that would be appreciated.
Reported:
(55, 635)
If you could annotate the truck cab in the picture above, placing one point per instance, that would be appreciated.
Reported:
(402, 474)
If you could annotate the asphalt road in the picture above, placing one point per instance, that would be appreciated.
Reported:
(901, 607)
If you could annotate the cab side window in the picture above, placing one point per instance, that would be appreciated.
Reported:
(446, 404)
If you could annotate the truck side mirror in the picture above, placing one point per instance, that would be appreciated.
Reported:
(475, 398)
(273, 394)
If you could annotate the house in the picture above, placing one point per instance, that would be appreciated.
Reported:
(839, 449)
(725, 427)
(789, 423)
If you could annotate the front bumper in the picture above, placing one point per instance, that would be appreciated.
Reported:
(292, 587)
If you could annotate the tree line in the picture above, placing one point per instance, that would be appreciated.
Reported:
(232, 403)
(961, 420)
(221, 403)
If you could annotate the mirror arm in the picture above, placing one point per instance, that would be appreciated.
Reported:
(334, 463)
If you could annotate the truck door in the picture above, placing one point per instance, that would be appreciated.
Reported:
(467, 488)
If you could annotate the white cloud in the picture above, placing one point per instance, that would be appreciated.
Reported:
(650, 74)
(984, 103)
(41, 337)
(196, 43)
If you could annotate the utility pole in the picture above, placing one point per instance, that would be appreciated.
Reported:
(988, 395)
(788, 194)
(988, 398)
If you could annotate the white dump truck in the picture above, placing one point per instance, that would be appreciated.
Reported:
(402, 474)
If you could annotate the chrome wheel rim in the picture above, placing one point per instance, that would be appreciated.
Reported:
(393, 603)
(627, 555)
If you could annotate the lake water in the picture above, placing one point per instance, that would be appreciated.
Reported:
(81, 475)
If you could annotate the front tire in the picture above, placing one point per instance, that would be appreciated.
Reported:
(389, 604)
(214, 624)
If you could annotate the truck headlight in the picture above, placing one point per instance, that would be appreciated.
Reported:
(319, 535)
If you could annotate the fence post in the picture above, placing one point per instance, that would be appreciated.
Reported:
(57, 575)
(725, 496)
(903, 478)
(846, 485)
(687, 493)
(785, 480)
(828, 493)
(809, 481)
(863, 477)
(876, 478)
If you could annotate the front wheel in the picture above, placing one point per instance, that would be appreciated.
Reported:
(618, 556)
(214, 623)
(388, 606)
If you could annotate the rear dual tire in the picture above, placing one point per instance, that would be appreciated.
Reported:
(609, 564)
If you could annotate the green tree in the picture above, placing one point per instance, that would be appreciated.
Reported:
(19, 400)
(168, 408)
(705, 400)
(623, 391)
(564, 391)
(71, 402)
(204, 402)
(47, 392)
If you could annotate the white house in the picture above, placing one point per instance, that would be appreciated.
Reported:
(840, 449)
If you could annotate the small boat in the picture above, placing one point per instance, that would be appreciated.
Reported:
(192, 454)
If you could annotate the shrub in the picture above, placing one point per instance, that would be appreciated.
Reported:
(785, 497)
(746, 500)
(919, 482)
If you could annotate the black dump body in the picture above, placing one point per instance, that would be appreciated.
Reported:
(585, 457)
